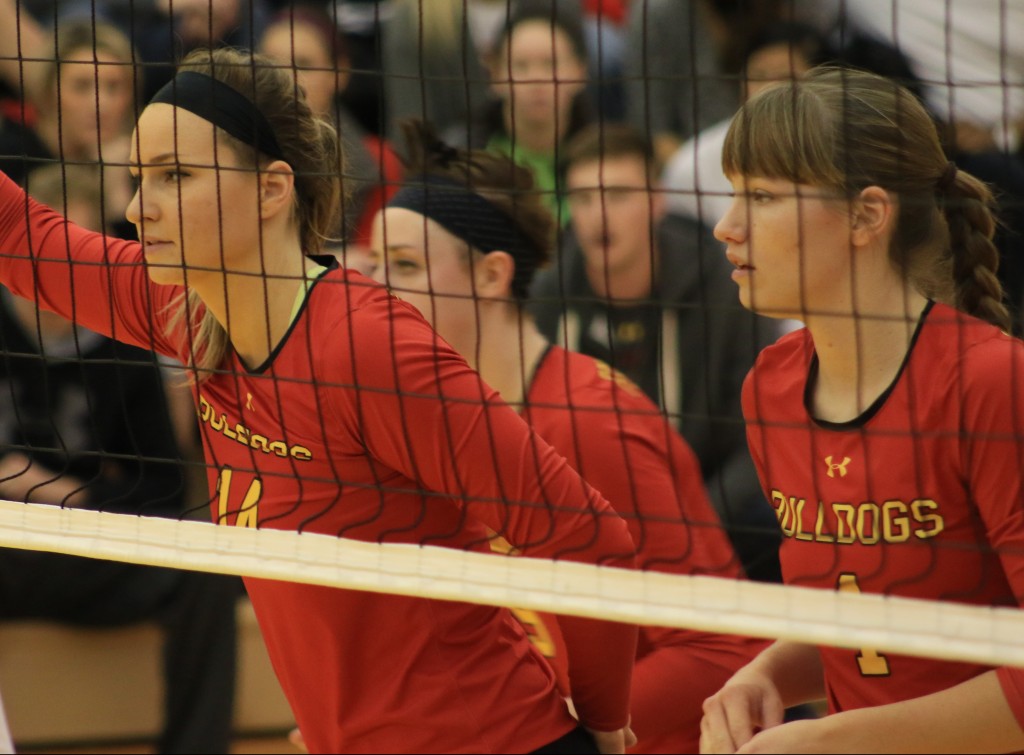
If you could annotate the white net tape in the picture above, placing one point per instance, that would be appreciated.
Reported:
(897, 625)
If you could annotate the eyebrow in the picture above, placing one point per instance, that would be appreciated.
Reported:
(165, 158)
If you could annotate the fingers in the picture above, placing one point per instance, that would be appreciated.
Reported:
(734, 715)
(295, 737)
(716, 731)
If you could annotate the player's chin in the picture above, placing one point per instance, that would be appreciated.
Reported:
(165, 274)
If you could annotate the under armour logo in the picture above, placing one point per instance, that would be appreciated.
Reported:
(841, 466)
(251, 408)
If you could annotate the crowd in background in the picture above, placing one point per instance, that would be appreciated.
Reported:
(526, 78)
(618, 108)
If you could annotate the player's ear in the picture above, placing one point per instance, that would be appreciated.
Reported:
(277, 189)
(873, 216)
(493, 275)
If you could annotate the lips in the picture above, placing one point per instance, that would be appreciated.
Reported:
(738, 262)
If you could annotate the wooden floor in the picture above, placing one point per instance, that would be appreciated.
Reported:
(246, 746)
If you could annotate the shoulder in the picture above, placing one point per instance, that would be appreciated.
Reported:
(363, 335)
(577, 394)
(981, 363)
(349, 310)
(968, 351)
(779, 373)
(572, 378)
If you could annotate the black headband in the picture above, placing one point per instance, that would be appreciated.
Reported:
(473, 219)
(224, 107)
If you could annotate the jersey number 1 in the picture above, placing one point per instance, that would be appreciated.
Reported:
(871, 662)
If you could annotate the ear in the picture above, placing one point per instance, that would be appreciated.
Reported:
(277, 189)
(873, 216)
(493, 274)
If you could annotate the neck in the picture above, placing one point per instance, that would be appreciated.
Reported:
(510, 348)
(255, 305)
(626, 285)
(537, 136)
(859, 355)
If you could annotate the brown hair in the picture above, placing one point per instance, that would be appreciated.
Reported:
(310, 147)
(600, 141)
(844, 130)
(497, 178)
(96, 37)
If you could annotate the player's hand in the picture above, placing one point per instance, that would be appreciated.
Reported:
(613, 742)
(297, 741)
(736, 713)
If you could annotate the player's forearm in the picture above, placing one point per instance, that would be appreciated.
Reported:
(973, 716)
(601, 656)
(793, 668)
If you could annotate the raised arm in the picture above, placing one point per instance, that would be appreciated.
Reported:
(98, 281)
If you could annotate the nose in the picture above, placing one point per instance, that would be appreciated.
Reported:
(136, 212)
(732, 226)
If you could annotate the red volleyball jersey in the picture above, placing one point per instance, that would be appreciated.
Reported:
(921, 496)
(619, 441)
(364, 424)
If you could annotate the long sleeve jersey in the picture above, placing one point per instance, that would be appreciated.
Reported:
(363, 424)
(624, 446)
(921, 496)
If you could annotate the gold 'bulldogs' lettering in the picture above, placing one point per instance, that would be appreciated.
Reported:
(239, 432)
(866, 523)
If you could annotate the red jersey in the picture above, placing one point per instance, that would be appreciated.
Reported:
(921, 496)
(619, 441)
(364, 424)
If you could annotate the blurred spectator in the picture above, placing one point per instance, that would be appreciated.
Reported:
(84, 423)
(693, 180)
(605, 25)
(85, 103)
(539, 74)
(683, 59)
(650, 294)
(305, 39)
(433, 63)
(161, 30)
(363, 22)
(971, 56)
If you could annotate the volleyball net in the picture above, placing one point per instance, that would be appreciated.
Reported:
(948, 630)
(672, 94)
